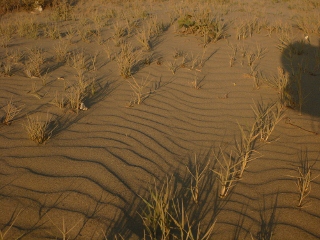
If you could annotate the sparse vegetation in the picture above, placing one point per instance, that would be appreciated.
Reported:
(197, 175)
(140, 91)
(33, 67)
(126, 60)
(39, 130)
(304, 177)
(228, 171)
(135, 66)
(165, 216)
(11, 111)
(210, 27)
(245, 148)
(266, 118)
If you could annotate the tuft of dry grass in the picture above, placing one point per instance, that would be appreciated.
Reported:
(58, 101)
(246, 28)
(14, 218)
(281, 83)
(35, 60)
(61, 50)
(11, 112)
(62, 10)
(52, 30)
(139, 90)
(7, 68)
(304, 177)
(77, 60)
(196, 176)
(156, 215)
(196, 83)
(210, 27)
(267, 116)
(126, 59)
(64, 230)
(120, 31)
(166, 217)
(245, 148)
(309, 23)
(28, 27)
(172, 66)
(228, 172)
(144, 37)
(39, 130)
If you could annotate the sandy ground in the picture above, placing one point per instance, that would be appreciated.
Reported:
(91, 173)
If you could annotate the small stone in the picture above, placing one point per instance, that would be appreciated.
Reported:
(83, 107)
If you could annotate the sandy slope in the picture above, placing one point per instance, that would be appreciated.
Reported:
(98, 162)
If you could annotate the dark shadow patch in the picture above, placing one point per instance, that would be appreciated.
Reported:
(301, 65)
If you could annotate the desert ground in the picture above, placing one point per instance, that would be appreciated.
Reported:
(160, 119)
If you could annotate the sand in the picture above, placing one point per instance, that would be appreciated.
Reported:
(92, 173)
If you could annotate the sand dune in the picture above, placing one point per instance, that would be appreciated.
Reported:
(98, 163)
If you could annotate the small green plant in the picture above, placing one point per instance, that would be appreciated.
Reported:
(186, 21)
(210, 28)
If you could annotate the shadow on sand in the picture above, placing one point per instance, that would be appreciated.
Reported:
(301, 64)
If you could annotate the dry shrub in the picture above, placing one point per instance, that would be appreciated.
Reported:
(39, 130)
(27, 5)
(11, 5)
